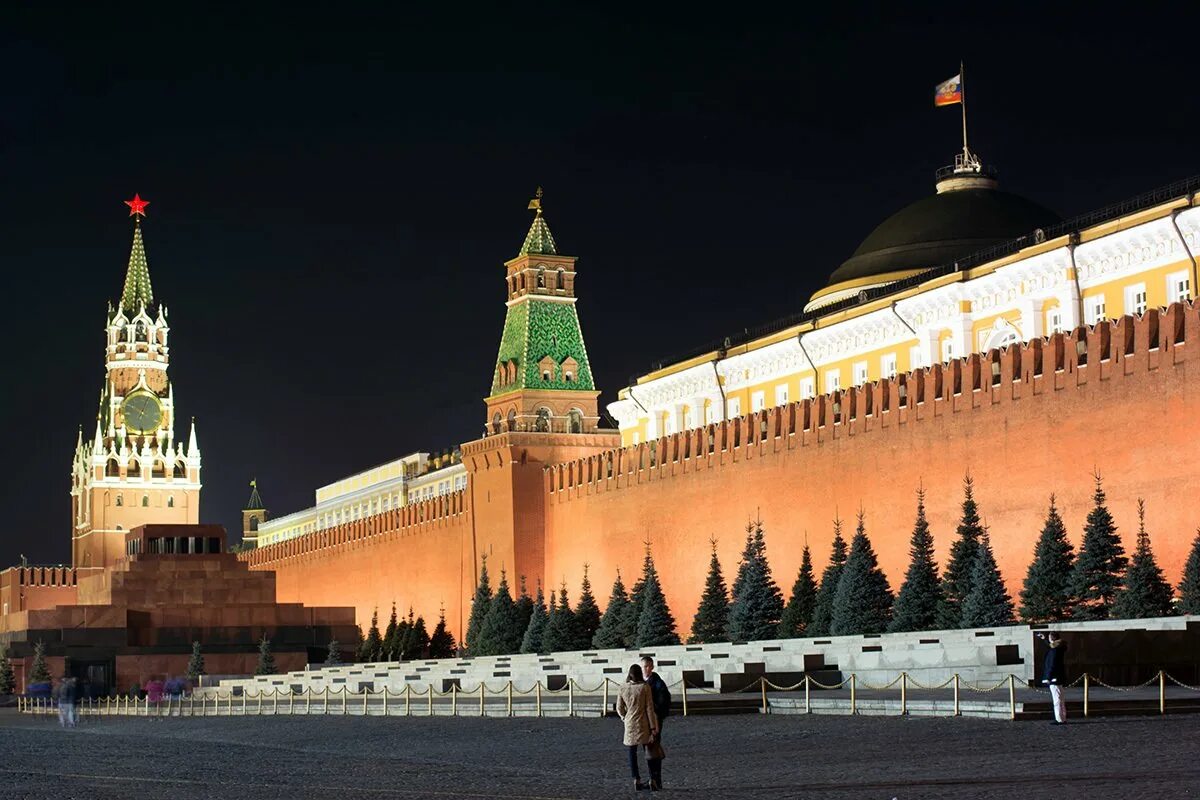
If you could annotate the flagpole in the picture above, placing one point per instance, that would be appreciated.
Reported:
(962, 82)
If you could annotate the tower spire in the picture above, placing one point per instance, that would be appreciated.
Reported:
(137, 293)
(538, 241)
(255, 502)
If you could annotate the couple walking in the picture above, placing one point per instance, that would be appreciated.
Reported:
(643, 703)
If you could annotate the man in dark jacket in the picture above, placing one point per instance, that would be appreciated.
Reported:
(1054, 674)
(662, 707)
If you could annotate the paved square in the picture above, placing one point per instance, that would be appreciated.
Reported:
(558, 759)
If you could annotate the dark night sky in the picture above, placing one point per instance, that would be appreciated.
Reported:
(333, 195)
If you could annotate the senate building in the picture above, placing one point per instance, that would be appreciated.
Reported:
(971, 332)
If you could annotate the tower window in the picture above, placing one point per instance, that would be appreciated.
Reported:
(543, 420)
(170, 501)
(145, 501)
(576, 419)
(120, 500)
(545, 374)
(568, 377)
(561, 283)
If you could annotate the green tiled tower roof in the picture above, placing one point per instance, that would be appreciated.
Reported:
(255, 502)
(137, 280)
(534, 329)
(539, 240)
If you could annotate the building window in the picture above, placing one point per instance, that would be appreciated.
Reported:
(541, 278)
(120, 500)
(1179, 287)
(947, 350)
(887, 366)
(170, 501)
(833, 380)
(734, 406)
(781, 395)
(1095, 309)
(808, 388)
(545, 374)
(145, 501)
(636, 439)
(758, 401)
(576, 420)
(914, 357)
(710, 413)
(860, 373)
(1135, 299)
(1054, 323)
(543, 420)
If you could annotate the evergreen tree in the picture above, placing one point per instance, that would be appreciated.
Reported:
(535, 632)
(416, 644)
(1189, 587)
(8, 680)
(797, 616)
(863, 603)
(587, 614)
(525, 606)
(1046, 595)
(480, 606)
(611, 632)
(757, 602)
(656, 625)
(39, 672)
(988, 605)
(404, 630)
(501, 632)
(711, 623)
(637, 599)
(441, 643)
(372, 648)
(956, 583)
(391, 638)
(561, 629)
(822, 618)
(920, 595)
(1096, 580)
(1146, 592)
(360, 642)
(266, 661)
(195, 665)
(333, 657)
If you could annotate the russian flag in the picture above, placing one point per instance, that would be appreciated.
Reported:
(948, 92)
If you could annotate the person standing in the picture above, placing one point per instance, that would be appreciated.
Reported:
(66, 703)
(662, 708)
(1054, 675)
(635, 707)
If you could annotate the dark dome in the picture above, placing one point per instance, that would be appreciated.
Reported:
(937, 230)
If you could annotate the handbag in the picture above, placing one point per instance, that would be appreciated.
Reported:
(655, 750)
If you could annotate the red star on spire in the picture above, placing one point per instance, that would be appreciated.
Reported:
(137, 206)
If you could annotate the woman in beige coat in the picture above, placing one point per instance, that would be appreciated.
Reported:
(635, 707)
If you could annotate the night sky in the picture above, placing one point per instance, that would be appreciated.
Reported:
(332, 196)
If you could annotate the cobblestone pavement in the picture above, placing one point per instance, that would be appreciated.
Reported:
(555, 759)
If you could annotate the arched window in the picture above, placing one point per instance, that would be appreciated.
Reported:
(145, 501)
(561, 281)
(543, 420)
(576, 420)
(254, 522)
(541, 278)
(120, 500)
(512, 419)
(112, 469)
(139, 332)
(171, 501)
(496, 422)
(180, 470)
(1002, 337)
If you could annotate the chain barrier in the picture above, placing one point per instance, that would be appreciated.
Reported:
(1094, 679)
(1180, 683)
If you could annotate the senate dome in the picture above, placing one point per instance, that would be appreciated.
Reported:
(968, 213)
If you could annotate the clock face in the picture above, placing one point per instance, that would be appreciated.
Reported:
(142, 412)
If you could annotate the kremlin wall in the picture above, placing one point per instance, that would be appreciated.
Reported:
(1070, 390)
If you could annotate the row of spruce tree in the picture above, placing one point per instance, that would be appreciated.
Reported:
(404, 639)
(853, 595)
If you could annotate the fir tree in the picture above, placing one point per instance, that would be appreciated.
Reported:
(920, 595)
(1189, 587)
(956, 583)
(1046, 595)
(1146, 592)
(587, 614)
(333, 656)
(501, 632)
(525, 606)
(656, 625)
(535, 632)
(757, 602)
(39, 672)
(637, 599)
(863, 603)
(8, 680)
(372, 648)
(711, 623)
(561, 630)
(797, 616)
(822, 618)
(441, 643)
(416, 643)
(988, 605)
(391, 639)
(611, 632)
(480, 606)
(360, 642)
(1096, 579)
(266, 661)
(195, 665)
(404, 631)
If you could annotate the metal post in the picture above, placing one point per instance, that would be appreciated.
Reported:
(1012, 696)
(683, 691)
(430, 693)
(570, 697)
(454, 699)
(853, 693)
(366, 695)
(307, 702)
(1086, 686)
(903, 693)
(956, 709)
(807, 699)
(275, 702)
(244, 700)
(1162, 692)
(385, 699)
(762, 685)
(482, 710)
(604, 712)
(408, 699)
(345, 691)
(539, 698)
(510, 690)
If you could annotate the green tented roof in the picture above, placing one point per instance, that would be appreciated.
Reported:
(137, 292)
